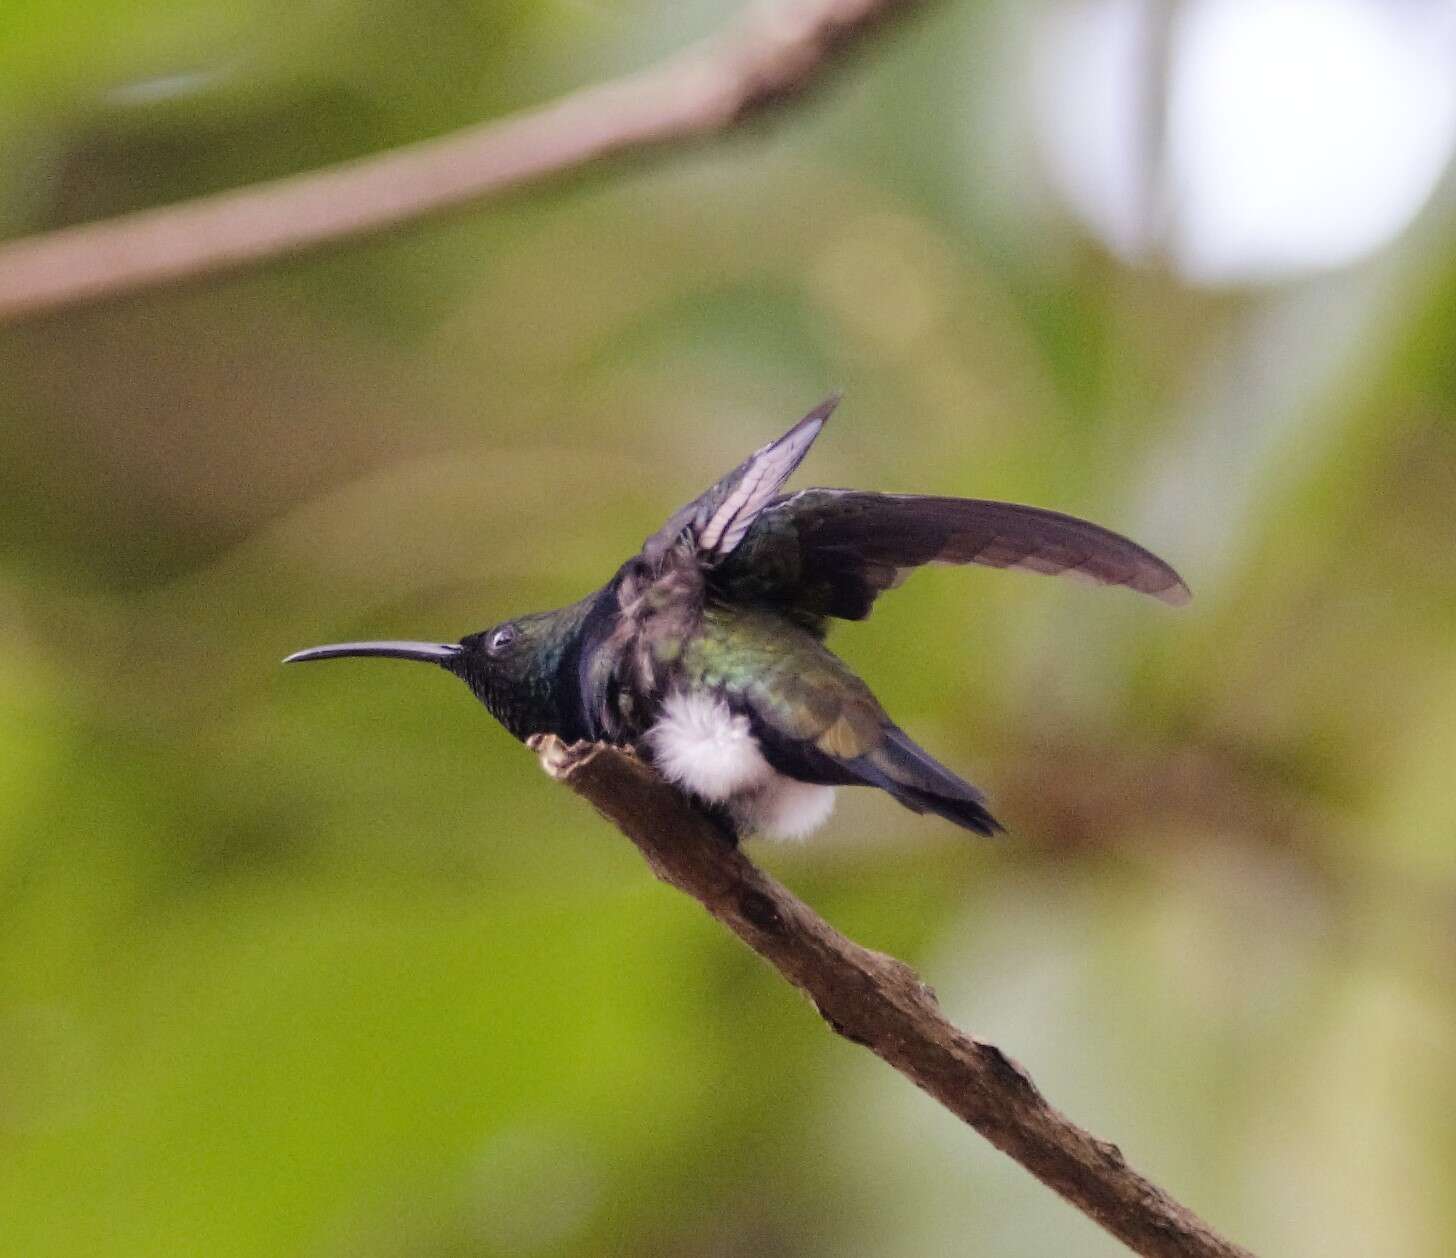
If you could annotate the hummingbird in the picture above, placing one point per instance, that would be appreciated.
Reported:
(705, 651)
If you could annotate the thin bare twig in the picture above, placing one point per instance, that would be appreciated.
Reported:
(879, 1002)
(770, 56)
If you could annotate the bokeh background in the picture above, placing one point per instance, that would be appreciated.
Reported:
(318, 963)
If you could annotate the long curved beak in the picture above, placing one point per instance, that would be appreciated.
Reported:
(443, 653)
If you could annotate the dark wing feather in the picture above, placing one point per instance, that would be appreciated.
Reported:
(719, 518)
(832, 552)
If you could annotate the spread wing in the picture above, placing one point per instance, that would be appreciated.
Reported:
(832, 552)
(718, 520)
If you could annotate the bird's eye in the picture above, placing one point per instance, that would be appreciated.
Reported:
(500, 639)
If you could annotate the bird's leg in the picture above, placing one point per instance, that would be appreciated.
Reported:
(721, 817)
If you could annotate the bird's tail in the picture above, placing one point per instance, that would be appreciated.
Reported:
(922, 784)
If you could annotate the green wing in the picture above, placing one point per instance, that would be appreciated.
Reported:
(818, 722)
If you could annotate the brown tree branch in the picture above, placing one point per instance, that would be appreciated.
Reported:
(879, 1002)
(770, 56)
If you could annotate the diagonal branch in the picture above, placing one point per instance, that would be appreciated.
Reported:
(770, 56)
(879, 1002)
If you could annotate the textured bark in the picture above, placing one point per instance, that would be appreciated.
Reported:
(881, 1003)
(772, 55)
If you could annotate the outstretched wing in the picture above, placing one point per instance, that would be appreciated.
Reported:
(718, 520)
(832, 552)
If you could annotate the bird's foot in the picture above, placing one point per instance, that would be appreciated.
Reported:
(560, 758)
(722, 818)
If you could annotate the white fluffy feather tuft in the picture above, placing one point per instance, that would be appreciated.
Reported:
(784, 808)
(702, 746)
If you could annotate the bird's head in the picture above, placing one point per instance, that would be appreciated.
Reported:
(511, 667)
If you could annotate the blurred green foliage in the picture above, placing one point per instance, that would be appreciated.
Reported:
(320, 964)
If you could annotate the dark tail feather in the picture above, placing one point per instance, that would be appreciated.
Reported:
(964, 812)
(922, 784)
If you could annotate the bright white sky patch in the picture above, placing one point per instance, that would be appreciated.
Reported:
(1086, 84)
(1301, 134)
